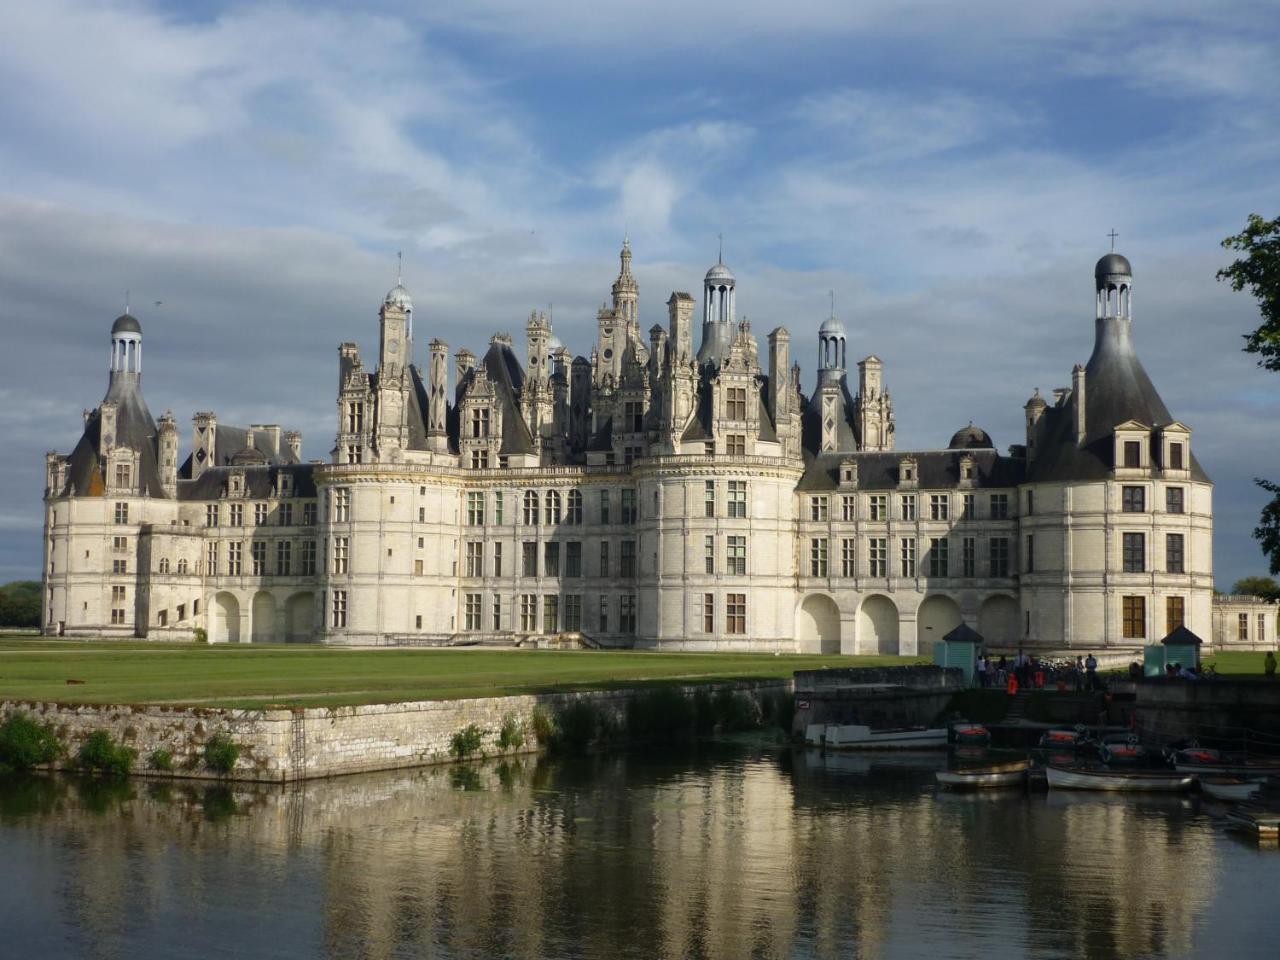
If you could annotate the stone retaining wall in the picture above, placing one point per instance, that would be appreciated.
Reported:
(283, 745)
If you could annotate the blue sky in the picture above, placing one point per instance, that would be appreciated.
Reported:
(949, 170)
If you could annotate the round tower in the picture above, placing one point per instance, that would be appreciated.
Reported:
(126, 346)
(1113, 281)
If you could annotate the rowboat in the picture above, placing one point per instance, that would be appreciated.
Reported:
(1078, 778)
(1226, 767)
(1121, 749)
(992, 775)
(1230, 788)
(1064, 738)
(856, 736)
(969, 734)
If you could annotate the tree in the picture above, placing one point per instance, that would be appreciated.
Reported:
(1264, 587)
(1259, 270)
(20, 604)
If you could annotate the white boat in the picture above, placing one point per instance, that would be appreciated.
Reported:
(857, 736)
(1078, 778)
(1227, 768)
(992, 775)
(1230, 788)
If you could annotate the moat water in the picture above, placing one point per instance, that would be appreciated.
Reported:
(733, 851)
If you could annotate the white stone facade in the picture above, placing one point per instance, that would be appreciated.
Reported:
(648, 495)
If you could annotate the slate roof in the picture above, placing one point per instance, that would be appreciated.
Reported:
(935, 469)
(1182, 637)
(229, 440)
(260, 481)
(811, 421)
(135, 429)
(507, 376)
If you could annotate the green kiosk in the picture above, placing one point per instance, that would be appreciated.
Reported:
(959, 648)
(1181, 647)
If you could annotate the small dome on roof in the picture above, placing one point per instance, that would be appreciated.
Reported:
(554, 344)
(831, 327)
(720, 272)
(126, 323)
(971, 438)
(398, 296)
(1113, 264)
(248, 457)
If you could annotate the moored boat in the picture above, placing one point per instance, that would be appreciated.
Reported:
(857, 736)
(991, 775)
(1064, 738)
(1226, 767)
(1138, 781)
(965, 733)
(1122, 749)
(1230, 788)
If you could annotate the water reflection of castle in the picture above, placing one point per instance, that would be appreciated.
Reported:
(615, 856)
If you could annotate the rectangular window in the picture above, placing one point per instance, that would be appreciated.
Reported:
(627, 613)
(938, 566)
(573, 513)
(629, 506)
(551, 505)
(627, 559)
(879, 506)
(355, 417)
(284, 558)
(118, 594)
(341, 547)
(479, 422)
(737, 403)
(258, 554)
(848, 508)
(418, 568)
(998, 552)
(817, 557)
(604, 614)
(604, 558)
(237, 514)
(235, 551)
(551, 614)
(117, 616)
(1262, 626)
(1133, 499)
(1175, 456)
(604, 506)
(339, 609)
(907, 506)
(709, 498)
(969, 507)
(475, 509)
(529, 558)
(551, 559)
(1173, 500)
(939, 506)
(1132, 453)
(211, 515)
(818, 509)
(1031, 502)
(878, 557)
(572, 612)
(573, 558)
(308, 568)
(969, 557)
(1174, 614)
(738, 499)
(119, 544)
(211, 559)
(499, 505)
(736, 556)
(355, 453)
(497, 558)
(309, 514)
(259, 514)
(709, 554)
(1174, 560)
(122, 513)
(735, 613)
(1135, 617)
(736, 445)
(530, 508)
(1242, 627)
(1030, 558)
(475, 558)
(473, 611)
(1135, 550)
(341, 504)
(529, 612)
(848, 557)
(999, 506)
(284, 515)
(123, 475)
(708, 613)
(907, 557)
(633, 416)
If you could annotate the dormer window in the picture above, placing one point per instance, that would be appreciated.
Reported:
(124, 476)
(1176, 456)
(849, 474)
(1132, 454)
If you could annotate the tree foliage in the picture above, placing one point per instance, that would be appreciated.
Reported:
(1264, 587)
(1259, 270)
(20, 604)
(1267, 532)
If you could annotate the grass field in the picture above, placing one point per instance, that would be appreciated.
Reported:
(1237, 663)
(247, 676)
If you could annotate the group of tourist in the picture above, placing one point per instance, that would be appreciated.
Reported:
(1030, 673)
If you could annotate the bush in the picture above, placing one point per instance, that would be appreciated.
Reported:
(466, 741)
(201, 635)
(221, 753)
(735, 711)
(161, 760)
(511, 734)
(101, 754)
(664, 715)
(544, 727)
(24, 743)
(579, 724)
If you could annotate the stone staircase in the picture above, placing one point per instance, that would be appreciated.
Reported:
(1018, 709)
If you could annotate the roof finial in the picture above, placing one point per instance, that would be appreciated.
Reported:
(832, 294)
(126, 301)
(399, 267)
(720, 255)
(1113, 236)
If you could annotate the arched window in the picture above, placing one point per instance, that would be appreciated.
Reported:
(574, 513)
(164, 564)
(552, 512)
(531, 508)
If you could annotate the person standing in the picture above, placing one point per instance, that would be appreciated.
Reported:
(1269, 665)
(1091, 672)
(982, 672)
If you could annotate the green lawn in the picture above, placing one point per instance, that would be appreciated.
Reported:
(246, 676)
(1237, 663)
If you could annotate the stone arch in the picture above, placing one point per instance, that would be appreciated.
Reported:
(998, 621)
(225, 626)
(263, 620)
(938, 615)
(818, 624)
(299, 615)
(878, 625)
